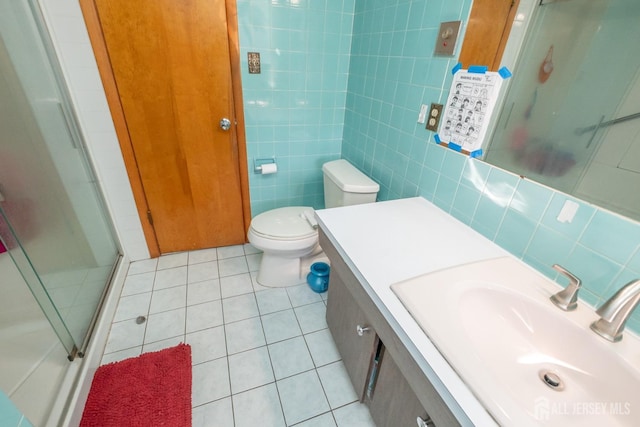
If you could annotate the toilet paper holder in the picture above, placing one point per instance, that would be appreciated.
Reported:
(257, 163)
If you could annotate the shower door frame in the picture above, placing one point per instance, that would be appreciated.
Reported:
(19, 255)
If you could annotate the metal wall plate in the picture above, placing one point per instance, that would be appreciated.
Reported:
(447, 36)
(254, 62)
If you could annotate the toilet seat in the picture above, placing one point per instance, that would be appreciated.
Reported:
(287, 224)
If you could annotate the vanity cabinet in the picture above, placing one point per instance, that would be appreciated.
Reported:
(351, 332)
(393, 402)
(383, 372)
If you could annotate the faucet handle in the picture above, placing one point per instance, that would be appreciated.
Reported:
(567, 299)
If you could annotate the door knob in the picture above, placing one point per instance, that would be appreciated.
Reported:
(361, 330)
(225, 124)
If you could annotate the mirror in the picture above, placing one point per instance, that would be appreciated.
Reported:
(571, 117)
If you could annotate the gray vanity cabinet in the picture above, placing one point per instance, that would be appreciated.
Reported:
(351, 332)
(384, 374)
(393, 402)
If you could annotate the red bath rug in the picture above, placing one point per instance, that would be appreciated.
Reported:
(153, 389)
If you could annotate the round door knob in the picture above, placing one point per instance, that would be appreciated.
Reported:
(225, 124)
(361, 330)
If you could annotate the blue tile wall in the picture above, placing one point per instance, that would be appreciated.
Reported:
(391, 73)
(346, 78)
(294, 109)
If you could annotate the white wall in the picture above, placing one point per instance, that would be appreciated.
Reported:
(71, 41)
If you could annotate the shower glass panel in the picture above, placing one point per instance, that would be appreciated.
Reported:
(32, 280)
(48, 193)
(550, 129)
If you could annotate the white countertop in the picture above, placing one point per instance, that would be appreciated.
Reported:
(387, 242)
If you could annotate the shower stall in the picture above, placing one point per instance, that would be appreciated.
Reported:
(58, 249)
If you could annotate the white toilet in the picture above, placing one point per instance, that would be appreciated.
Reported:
(288, 237)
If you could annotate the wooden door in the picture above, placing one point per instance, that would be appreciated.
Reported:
(170, 63)
(487, 32)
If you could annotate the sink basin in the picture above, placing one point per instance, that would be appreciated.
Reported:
(527, 361)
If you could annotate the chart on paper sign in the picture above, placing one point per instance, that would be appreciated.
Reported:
(468, 109)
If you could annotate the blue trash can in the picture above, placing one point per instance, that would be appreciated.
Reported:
(318, 277)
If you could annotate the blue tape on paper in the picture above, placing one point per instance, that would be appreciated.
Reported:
(455, 147)
(437, 138)
(505, 73)
(477, 153)
(456, 68)
(478, 69)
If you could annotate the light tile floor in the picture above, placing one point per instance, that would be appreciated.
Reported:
(261, 356)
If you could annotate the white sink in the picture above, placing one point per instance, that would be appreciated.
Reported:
(495, 325)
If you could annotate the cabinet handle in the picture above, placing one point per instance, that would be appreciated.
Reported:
(361, 330)
(425, 423)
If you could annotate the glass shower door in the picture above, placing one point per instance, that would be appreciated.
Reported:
(55, 225)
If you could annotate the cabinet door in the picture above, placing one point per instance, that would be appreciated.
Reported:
(394, 404)
(343, 317)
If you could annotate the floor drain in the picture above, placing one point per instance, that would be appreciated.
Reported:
(140, 320)
(552, 380)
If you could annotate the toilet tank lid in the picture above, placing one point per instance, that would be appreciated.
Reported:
(348, 178)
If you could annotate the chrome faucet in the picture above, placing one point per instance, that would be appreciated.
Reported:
(567, 299)
(616, 310)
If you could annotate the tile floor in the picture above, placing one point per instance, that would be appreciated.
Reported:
(261, 356)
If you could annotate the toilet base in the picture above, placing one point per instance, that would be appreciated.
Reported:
(279, 272)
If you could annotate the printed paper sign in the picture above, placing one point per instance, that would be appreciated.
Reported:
(471, 101)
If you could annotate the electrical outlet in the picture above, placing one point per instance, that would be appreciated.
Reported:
(433, 121)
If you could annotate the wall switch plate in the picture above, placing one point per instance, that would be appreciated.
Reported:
(568, 211)
(254, 62)
(447, 36)
(433, 120)
(422, 116)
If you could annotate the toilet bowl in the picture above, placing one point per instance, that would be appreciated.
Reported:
(288, 236)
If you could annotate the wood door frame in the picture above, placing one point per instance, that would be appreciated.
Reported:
(92, 21)
(475, 50)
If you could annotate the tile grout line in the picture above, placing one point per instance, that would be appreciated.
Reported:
(273, 371)
(226, 341)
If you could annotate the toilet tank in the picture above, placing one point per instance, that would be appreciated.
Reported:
(345, 185)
